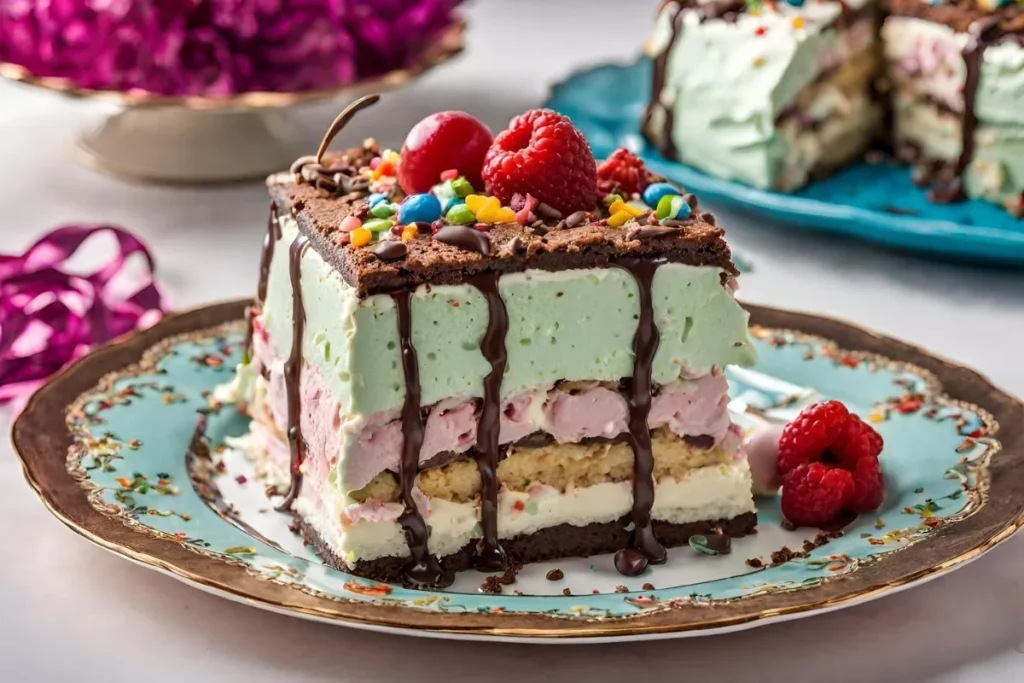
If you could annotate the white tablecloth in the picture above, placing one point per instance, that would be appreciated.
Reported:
(71, 611)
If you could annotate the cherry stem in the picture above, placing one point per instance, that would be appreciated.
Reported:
(342, 120)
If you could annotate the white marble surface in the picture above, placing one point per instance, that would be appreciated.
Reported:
(71, 611)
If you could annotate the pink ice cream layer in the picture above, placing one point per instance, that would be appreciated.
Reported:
(695, 407)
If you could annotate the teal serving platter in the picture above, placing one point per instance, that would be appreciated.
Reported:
(876, 202)
(109, 446)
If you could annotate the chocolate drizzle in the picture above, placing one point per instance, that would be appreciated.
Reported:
(490, 556)
(423, 568)
(266, 255)
(293, 374)
(665, 144)
(645, 345)
(983, 32)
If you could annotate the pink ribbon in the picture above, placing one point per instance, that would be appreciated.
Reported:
(49, 316)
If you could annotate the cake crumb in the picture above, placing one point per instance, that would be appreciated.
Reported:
(648, 586)
(555, 575)
(809, 546)
(621, 589)
(509, 577)
(784, 555)
(566, 591)
(492, 584)
(517, 592)
(755, 562)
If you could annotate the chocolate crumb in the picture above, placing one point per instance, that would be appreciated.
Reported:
(809, 546)
(555, 575)
(755, 562)
(517, 592)
(509, 577)
(708, 218)
(783, 555)
(788, 525)
(293, 525)
(272, 490)
(566, 591)
(621, 589)
(491, 585)
(648, 586)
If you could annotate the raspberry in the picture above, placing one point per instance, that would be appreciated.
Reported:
(814, 493)
(542, 154)
(622, 172)
(869, 486)
(855, 441)
(805, 439)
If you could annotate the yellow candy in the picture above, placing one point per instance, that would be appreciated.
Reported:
(619, 219)
(502, 214)
(409, 232)
(475, 202)
(361, 237)
(620, 206)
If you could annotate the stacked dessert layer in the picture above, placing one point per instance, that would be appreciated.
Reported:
(958, 98)
(773, 97)
(449, 395)
(778, 94)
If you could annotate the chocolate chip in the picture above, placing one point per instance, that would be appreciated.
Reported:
(703, 441)
(576, 219)
(630, 562)
(548, 211)
(674, 223)
(464, 238)
(691, 199)
(390, 250)
(755, 562)
(555, 575)
(648, 586)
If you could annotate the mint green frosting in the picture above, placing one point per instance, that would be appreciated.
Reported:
(572, 325)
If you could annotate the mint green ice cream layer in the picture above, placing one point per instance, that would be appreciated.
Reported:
(566, 325)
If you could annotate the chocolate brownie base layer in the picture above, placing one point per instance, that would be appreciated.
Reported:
(564, 540)
(513, 248)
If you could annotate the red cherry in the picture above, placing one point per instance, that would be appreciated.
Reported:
(443, 141)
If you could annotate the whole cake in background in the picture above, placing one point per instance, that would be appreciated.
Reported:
(776, 95)
(216, 48)
(480, 352)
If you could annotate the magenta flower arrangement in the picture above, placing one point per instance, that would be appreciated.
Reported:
(218, 48)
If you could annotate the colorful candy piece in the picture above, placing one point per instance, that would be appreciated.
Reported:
(361, 237)
(502, 214)
(462, 187)
(419, 207)
(376, 198)
(450, 174)
(621, 206)
(409, 232)
(460, 214)
(376, 225)
(618, 219)
(476, 202)
(673, 207)
(796, 3)
(383, 210)
(655, 191)
(349, 223)
(449, 203)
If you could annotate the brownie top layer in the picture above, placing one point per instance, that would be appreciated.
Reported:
(546, 243)
(961, 14)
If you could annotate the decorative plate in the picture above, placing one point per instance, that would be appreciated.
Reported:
(876, 202)
(108, 446)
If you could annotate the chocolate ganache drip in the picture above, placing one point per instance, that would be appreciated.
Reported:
(983, 33)
(665, 144)
(293, 373)
(490, 556)
(266, 255)
(645, 346)
(423, 568)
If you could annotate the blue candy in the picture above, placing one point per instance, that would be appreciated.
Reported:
(376, 198)
(655, 191)
(419, 207)
(449, 203)
(796, 3)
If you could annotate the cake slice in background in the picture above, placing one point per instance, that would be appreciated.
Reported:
(957, 72)
(776, 95)
(772, 95)
(537, 374)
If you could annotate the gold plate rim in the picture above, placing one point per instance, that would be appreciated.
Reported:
(449, 44)
(41, 441)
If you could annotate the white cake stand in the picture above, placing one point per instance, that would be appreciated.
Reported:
(167, 139)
